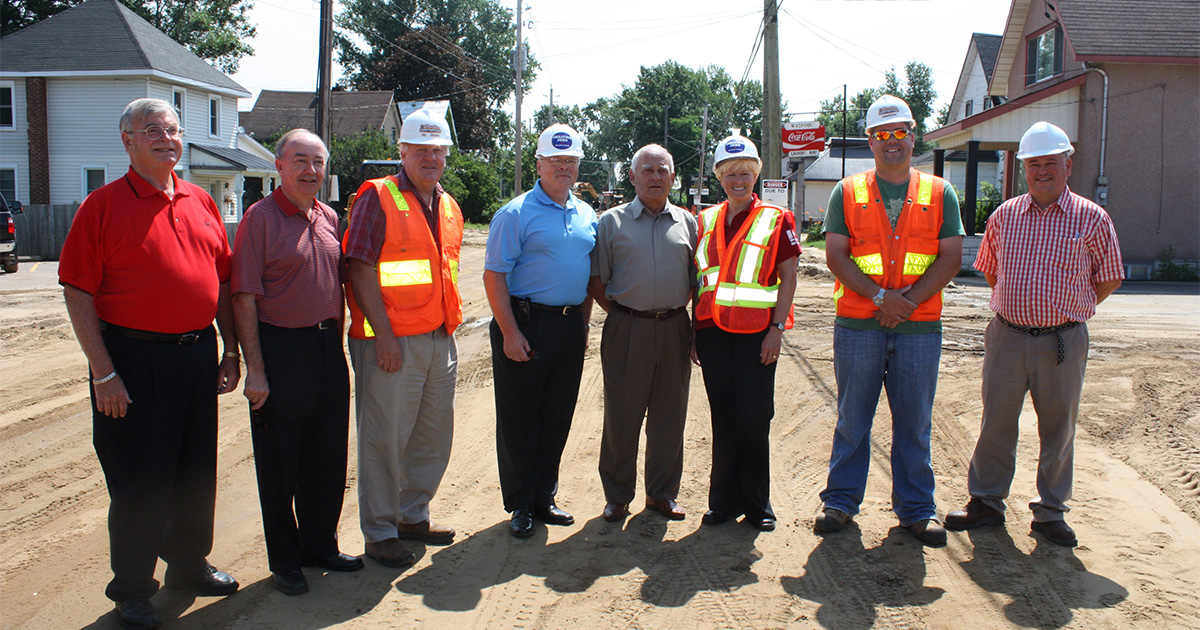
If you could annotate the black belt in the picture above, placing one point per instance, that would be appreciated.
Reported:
(325, 325)
(569, 309)
(1035, 331)
(184, 339)
(664, 314)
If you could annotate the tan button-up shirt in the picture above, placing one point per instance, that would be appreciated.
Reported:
(645, 260)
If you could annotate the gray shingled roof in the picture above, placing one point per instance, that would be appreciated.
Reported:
(104, 36)
(353, 112)
(988, 47)
(1141, 28)
(828, 166)
(239, 158)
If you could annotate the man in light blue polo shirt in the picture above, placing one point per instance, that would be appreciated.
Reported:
(536, 272)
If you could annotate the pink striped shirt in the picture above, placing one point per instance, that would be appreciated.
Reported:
(1047, 262)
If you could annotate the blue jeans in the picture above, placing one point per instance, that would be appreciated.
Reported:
(907, 365)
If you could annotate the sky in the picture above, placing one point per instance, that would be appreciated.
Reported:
(588, 52)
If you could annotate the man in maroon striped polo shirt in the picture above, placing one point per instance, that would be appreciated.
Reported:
(287, 304)
(1050, 257)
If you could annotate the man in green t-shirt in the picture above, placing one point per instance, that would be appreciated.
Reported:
(893, 241)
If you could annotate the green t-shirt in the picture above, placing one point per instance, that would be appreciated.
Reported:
(893, 200)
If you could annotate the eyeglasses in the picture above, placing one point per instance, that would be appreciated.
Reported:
(899, 134)
(563, 161)
(154, 132)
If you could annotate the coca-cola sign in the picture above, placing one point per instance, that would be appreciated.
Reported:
(806, 137)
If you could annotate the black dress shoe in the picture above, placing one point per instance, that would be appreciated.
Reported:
(614, 512)
(138, 614)
(713, 517)
(763, 524)
(521, 525)
(337, 562)
(291, 582)
(1057, 532)
(209, 581)
(551, 514)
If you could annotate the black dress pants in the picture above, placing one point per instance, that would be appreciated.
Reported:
(741, 396)
(535, 401)
(300, 455)
(159, 461)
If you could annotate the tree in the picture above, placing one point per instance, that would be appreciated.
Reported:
(474, 184)
(346, 155)
(215, 30)
(434, 49)
(674, 94)
(917, 91)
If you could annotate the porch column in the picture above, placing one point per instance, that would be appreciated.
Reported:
(968, 206)
(939, 162)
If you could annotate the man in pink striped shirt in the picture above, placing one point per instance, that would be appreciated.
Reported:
(1050, 257)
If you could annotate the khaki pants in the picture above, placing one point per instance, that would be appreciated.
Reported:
(405, 423)
(1014, 363)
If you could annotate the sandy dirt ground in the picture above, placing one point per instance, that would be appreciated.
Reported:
(1136, 504)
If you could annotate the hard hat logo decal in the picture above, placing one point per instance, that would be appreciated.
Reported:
(561, 140)
(888, 110)
(428, 128)
(735, 146)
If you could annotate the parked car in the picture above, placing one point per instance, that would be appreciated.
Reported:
(8, 234)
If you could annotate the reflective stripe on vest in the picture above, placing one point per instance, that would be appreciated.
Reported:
(707, 273)
(404, 273)
(871, 264)
(915, 264)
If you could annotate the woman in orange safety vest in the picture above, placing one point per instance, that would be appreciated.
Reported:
(746, 272)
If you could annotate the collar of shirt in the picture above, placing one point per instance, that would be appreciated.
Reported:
(285, 205)
(144, 189)
(638, 209)
(406, 185)
(540, 195)
(1060, 203)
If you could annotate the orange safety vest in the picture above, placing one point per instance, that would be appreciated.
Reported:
(418, 283)
(736, 289)
(892, 258)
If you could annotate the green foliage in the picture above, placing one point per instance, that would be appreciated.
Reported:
(347, 154)
(1168, 269)
(814, 233)
(474, 184)
(431, 50)
(986, 203)
(634, 117)
(917, 91)
(215, 30)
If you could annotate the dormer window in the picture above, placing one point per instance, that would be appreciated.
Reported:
(1044, 55)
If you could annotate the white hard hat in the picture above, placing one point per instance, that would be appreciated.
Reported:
(888, 109)
(1044, 138)
(425, 126)
(559, 139)
(735, 146)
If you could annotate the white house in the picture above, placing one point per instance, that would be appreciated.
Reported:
(64, 83)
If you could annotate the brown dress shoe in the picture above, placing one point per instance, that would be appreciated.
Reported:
(426, 532)
(975, 514)
(614, 512)
(668, 508)
(390, 553)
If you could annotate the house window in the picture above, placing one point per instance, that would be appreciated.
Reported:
(214, 116)
(93, 178)
(1044, 55)
(8, 183)
(179, 99)
(8, 112)
(970, 108)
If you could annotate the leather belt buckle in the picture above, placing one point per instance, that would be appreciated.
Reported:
(325, 325)
(188, 339)
(566, 310)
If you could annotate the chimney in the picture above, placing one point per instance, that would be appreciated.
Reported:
(39, 146)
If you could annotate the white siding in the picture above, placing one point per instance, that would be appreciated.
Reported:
(816, 198)
(974, 92)
(83, 116)
(14, 143)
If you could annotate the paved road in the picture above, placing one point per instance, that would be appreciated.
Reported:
(31, 276)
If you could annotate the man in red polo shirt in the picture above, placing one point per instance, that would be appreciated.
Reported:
(1050, 257)
(287, 303)
(145, 269)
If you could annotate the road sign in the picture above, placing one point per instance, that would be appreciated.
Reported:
(803, 139)
(775, 192)
(692, 191)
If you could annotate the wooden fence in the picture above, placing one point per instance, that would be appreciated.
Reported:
(41, 230)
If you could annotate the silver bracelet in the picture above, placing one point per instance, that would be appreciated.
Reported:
(101, 381)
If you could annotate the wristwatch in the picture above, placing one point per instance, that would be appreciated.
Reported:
(778, 325)
(878, 299)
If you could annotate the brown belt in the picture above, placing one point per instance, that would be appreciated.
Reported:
(665, 314)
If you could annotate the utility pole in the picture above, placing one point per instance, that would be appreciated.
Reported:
(666, 123)
(324, 89)
(703, 159)
(553, 116)
(844, 131)
(519, 67)
(771, 129)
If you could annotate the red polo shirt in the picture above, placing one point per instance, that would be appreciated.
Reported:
(290, 262)
(149, 262)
